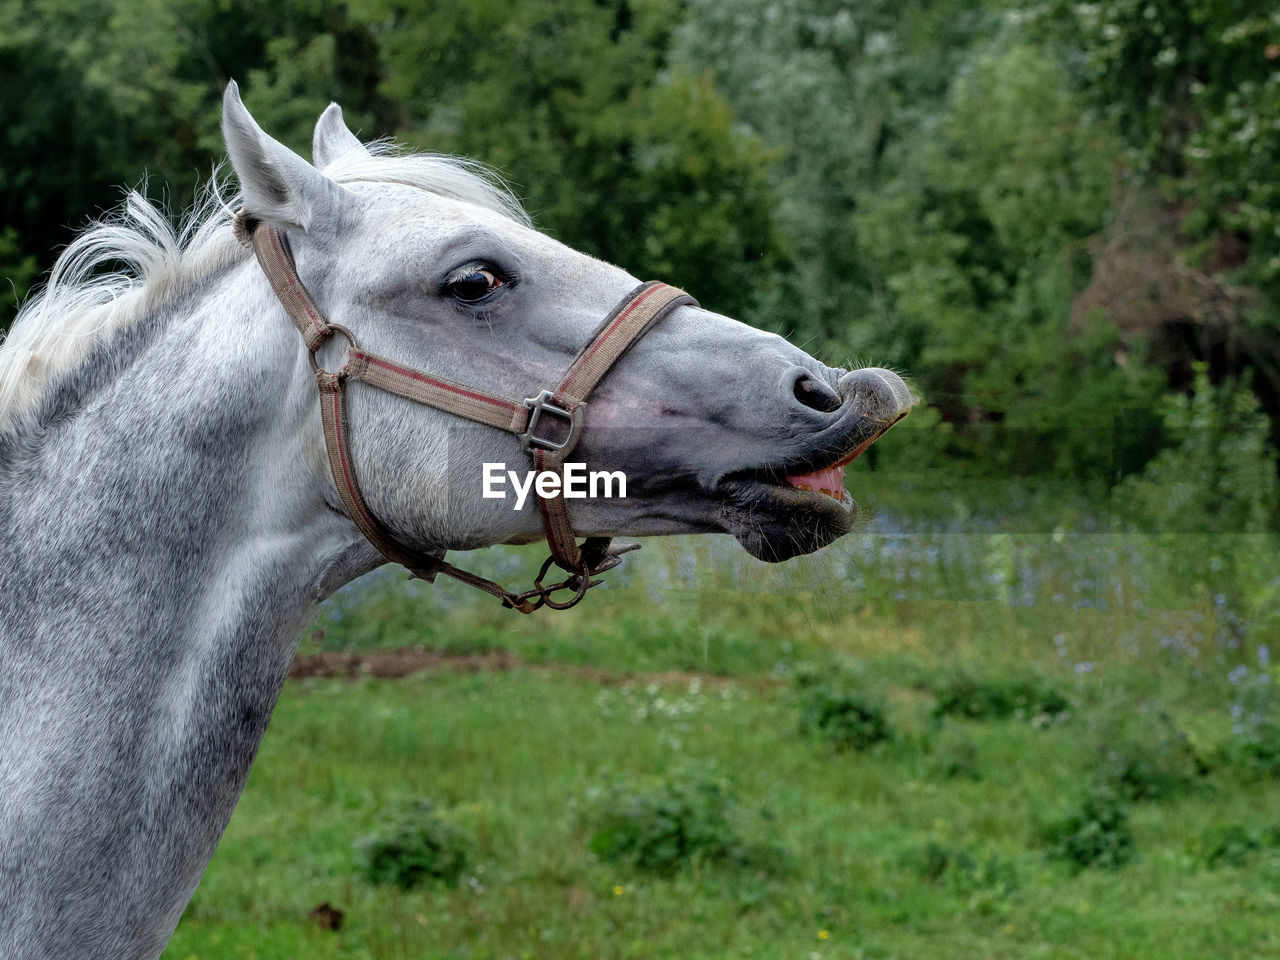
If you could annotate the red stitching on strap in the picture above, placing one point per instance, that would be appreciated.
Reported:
(424, 378)
(347, 478)
(291, 277)
(608, 331)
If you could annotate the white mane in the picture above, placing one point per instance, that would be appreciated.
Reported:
(122, 265)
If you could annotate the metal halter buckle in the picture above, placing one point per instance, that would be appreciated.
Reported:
(542, 404)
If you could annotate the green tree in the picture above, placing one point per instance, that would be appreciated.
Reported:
(99, 96)
(832, 87)
(1193, 86)
(980, 239)
(614, 150)
(1220, 474)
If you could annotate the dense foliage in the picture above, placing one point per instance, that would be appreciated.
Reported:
(413, 844)
(687, 819)
(1050, 214)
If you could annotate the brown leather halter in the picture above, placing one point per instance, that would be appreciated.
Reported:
(629, 320)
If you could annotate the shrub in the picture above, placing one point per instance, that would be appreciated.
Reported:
(992, 697)
(1259, 749)
(833, 706)
(1233, 847)
(1220, 477)
(1097, 834)
(1144, 756)
(415, 845)
(669, 825)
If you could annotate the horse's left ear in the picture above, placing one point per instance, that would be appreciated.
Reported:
(332, 139)
(279, 187)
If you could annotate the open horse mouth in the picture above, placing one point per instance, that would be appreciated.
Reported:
(780, 511)
(830, 480)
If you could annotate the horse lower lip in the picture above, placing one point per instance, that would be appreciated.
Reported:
(775, 521)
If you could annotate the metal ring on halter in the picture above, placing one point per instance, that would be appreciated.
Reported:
(330, 330)
(580, 583)
(584, 584)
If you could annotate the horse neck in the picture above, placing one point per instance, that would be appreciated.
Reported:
(194, 477)
(170, 539)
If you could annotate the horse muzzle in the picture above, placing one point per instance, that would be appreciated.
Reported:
(798, 504)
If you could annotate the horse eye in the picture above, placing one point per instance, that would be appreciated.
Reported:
(473, 284)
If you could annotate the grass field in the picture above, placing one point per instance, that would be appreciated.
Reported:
(1016, 680)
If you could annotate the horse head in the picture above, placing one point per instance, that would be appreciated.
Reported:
(717, 426)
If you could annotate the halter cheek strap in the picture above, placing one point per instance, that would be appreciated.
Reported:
(527, 419)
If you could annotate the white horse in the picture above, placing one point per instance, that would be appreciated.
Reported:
(169, 519)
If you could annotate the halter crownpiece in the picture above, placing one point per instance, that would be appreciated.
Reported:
(634, 315)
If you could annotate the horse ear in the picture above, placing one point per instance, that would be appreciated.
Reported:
(279, 186)
(332, 139)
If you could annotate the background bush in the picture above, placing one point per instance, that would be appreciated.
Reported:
(1142, 755)
(1255, 714)
(967, 694)
(835, 707)
(674, 824)
(415, 845)
(1236, 845)
(1096, 833)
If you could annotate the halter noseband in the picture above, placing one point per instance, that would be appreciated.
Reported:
(628, 321)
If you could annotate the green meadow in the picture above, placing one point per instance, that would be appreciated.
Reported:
(927, 740)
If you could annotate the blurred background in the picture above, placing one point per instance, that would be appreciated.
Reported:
(1027, 709)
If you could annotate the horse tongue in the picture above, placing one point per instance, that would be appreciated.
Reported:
(829, 481)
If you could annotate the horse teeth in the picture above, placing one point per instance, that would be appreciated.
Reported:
(808, 488)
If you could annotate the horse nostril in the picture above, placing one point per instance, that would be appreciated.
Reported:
(815, 394)
(878, 393)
